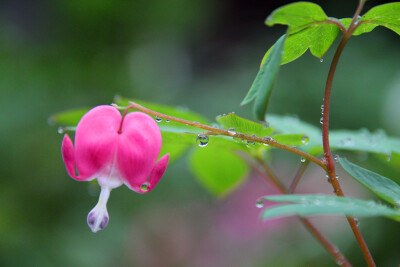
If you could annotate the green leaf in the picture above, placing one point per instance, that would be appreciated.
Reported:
(306, 205)
(219, 171)
(243, 125)
(378, 184)
(297, 16)
(293, 125)
(361, 140)
(68, 118)
(309, 28)
(291, 139)
(386, 15)
(263, 84)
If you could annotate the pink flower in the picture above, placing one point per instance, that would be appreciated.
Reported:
(116, 150)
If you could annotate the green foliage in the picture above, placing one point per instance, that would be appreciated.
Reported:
(293, 125)
(386, 15)
(307, 205)
(244, 126)
(68, 118)
(308, 28)
(218, 170)
(263, 84)
(378, 184)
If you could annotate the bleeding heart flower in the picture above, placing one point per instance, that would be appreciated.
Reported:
(116, 150)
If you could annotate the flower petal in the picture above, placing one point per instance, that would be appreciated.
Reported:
(96, 139)
(68, 155)
(138, 148)
(157, 172)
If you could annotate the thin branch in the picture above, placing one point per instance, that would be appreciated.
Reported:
(217, 131)
(298, 176)
(268, 175)
(325, 133)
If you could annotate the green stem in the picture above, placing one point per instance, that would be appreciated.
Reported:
(325, 133)
(298, 176)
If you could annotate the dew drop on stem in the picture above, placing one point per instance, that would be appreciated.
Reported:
(303, 159)
(158, 119)
(202, 140)
(321, 120)
(166, 121)
(232, 131)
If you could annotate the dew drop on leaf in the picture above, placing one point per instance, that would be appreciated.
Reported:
(202, 140)
(305, 139)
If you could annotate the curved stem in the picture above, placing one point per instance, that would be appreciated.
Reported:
(325, 133)
(268, 175)
(218, 131)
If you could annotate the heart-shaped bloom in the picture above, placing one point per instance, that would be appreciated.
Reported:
(116, 150)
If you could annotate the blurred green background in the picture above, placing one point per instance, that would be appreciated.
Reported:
(58, 55)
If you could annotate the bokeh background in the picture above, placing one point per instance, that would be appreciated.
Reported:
(204, 55)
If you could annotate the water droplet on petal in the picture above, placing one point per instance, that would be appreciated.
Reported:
(260, 203)
(303, 159)
(202, 140)
(145, 187)
(158, 119)
(305, 139)
(232, 131)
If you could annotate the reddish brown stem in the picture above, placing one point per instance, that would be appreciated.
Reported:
(242, 136)
(325, 133)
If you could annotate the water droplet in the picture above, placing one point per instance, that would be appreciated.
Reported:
(202, 140)
(357, 221)
(337, 177)
(322, 107)
(166, 121)
(336, 158)
(61, 130)
(158, 119)
(303, 159)
(249, 142)
(305, 139)
(145, 187)
(389, 157)
(260, 203)
(321, 120)
(321, 60)
(232, 131)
